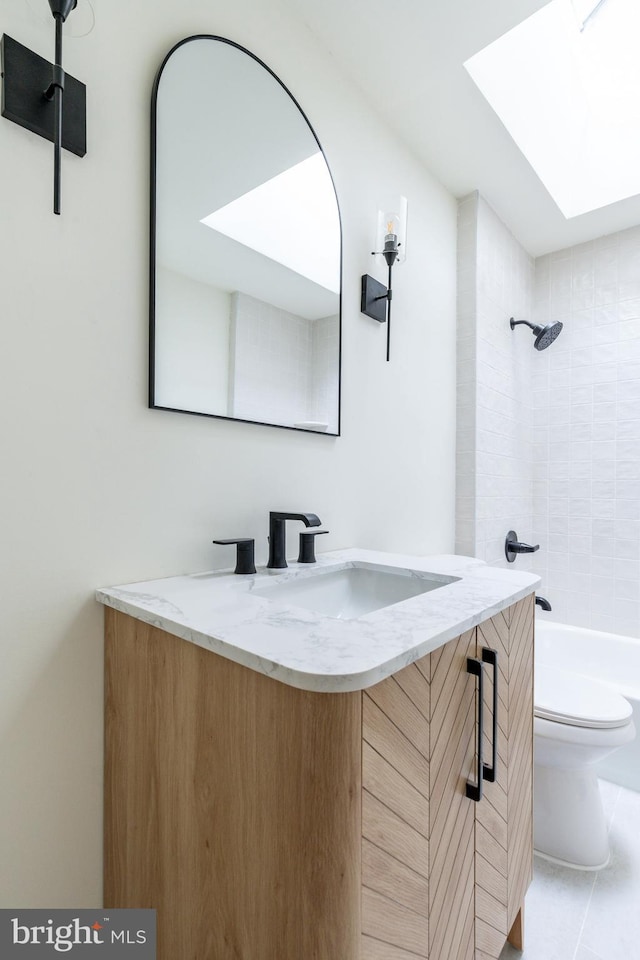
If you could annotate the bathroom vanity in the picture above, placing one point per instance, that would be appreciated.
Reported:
(286, 785)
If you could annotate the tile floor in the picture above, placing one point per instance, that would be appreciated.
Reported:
(580, 915)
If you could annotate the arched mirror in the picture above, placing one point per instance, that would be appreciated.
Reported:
(245, 246)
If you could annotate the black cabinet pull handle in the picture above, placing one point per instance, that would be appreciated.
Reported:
(474, 790)
(490, 773)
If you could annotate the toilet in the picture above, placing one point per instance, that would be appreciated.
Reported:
(577, 722)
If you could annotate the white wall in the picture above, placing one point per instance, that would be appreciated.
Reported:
(96, 488)
(587, 434)
(495, 408)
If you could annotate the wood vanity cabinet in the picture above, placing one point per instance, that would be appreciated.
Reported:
(264, 822)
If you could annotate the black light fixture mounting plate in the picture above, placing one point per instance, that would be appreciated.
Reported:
(373, 299)
(26, 77)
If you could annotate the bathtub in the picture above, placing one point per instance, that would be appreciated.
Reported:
(610, 658)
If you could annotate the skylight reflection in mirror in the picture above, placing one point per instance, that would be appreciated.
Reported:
(274, 219)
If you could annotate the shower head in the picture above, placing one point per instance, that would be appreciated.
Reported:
(547, 335)
(544, 335)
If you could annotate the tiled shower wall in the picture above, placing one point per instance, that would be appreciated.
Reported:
(495, 405)
(325, 359)
(282, 366)
(270, 357)
(549, 442)
(586, 392)
(466, 377)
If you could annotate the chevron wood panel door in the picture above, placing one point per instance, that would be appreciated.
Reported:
(451, 813)
(492, 812)
(504, 816)
(444, 878)
(395, 816)
(520, 766)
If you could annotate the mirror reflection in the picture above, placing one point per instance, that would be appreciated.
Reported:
(245, 315)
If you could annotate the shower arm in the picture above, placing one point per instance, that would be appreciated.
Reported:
(532, 326)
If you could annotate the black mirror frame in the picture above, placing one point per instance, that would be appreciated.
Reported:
(152, 245)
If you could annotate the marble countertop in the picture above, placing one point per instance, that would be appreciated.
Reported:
(218, 611)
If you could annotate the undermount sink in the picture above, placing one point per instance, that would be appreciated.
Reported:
(353, 591)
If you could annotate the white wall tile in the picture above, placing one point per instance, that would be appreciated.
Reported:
(555, 436)
(601, 362)
(494, 364)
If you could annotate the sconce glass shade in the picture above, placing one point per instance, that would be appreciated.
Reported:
(391, 231)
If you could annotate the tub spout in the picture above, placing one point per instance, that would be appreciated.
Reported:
(543, 603)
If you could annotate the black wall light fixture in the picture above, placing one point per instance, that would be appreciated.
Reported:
(34, 90)
(375, 298)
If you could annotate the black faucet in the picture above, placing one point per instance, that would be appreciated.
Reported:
(277, 535)
(543, 603)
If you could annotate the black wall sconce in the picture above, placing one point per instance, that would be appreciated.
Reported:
(33, 92)
(375, 298)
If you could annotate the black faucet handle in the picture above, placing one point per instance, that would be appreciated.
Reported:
(307, 552)
(512, 546)
(519, 547)
(245, 553)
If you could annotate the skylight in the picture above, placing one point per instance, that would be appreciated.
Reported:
(274, 219)
(566, 85)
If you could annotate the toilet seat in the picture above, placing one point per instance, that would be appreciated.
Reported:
(577, 701)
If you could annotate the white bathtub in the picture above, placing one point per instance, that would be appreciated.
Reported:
(610, 658)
